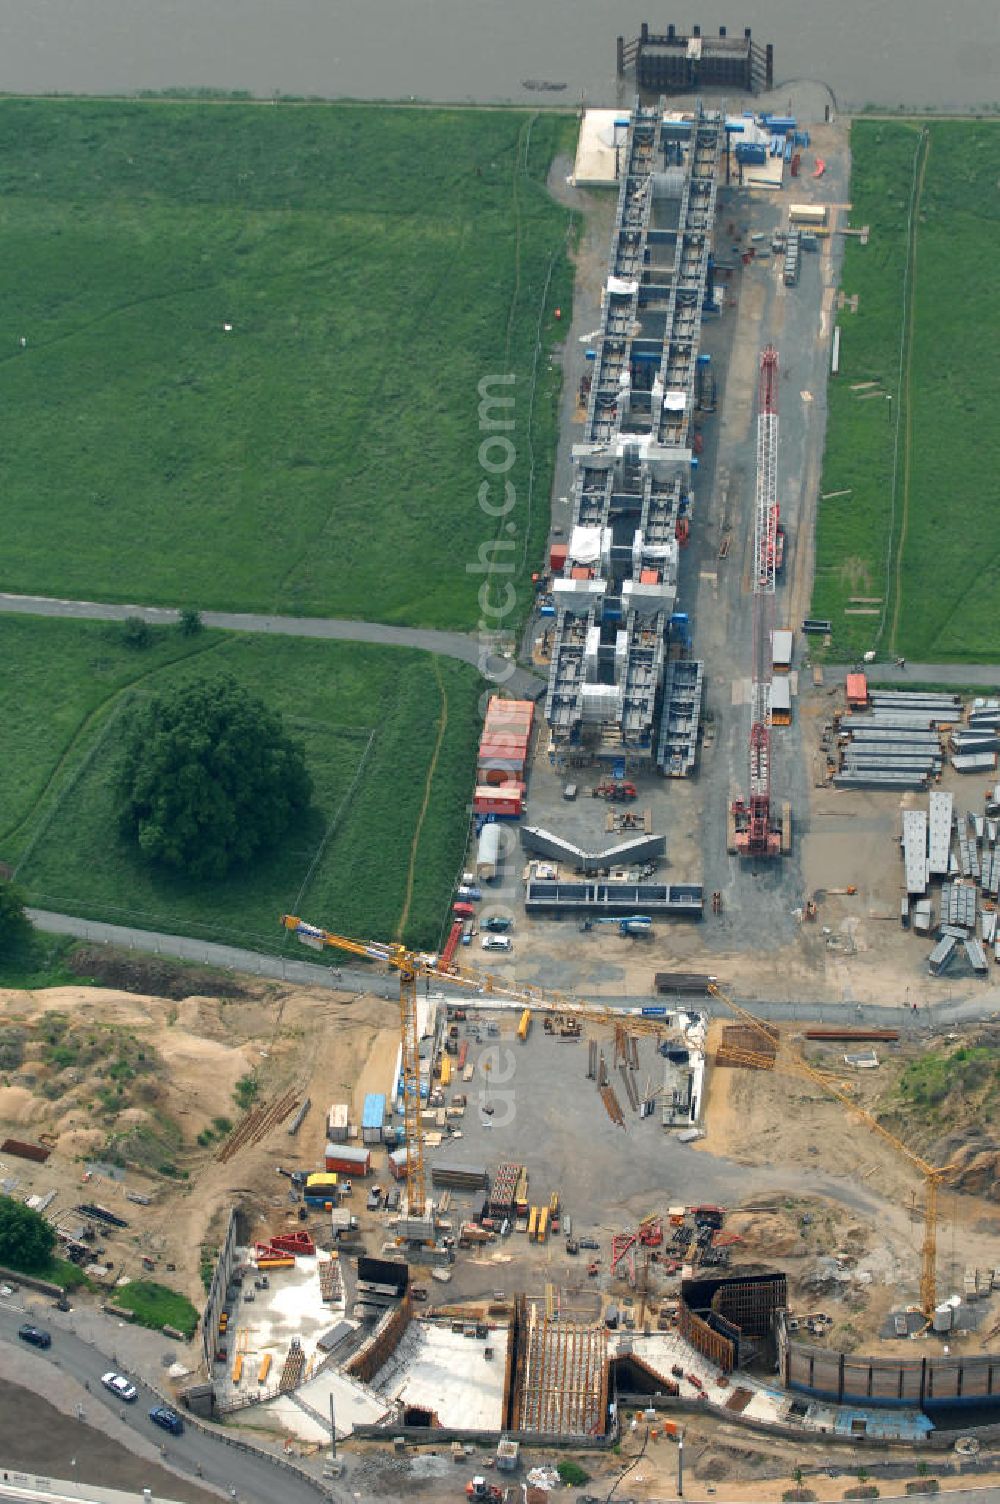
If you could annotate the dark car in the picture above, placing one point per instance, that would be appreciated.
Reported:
(162, 1415)
(34, 1335)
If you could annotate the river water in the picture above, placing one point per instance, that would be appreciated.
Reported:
(940, 54)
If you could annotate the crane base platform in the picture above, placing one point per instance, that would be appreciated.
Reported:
(779, 833)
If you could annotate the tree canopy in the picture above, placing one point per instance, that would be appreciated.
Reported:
(26, 1239)
(209, 779)
(15, 926)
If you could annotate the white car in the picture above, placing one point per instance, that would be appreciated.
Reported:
(120, 1386)
(497, 942)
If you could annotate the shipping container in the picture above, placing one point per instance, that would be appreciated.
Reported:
(505, 801)
(463, 1054)
(558, 555)
(347, 1159)
(807, 214)
(336, 1122)
(857, 691)
(524, 1025)
(320, 1189)
(373, 1116)
(397, 1164)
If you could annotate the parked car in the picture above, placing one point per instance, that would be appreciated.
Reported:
(497, 942)
(162, 1415)
(498, 923)
(34, 1335)
(120, 1386)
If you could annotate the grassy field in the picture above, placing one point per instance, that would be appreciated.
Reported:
(157, 1306)
(374, 264)
(362, 860)
(923, 549)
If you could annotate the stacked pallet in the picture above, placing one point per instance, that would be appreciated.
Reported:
(331, 1284)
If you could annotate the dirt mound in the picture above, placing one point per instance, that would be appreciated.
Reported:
(978, 1172)
(151, 975)
(771, 1233)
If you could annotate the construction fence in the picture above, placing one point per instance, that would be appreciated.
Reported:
(921, 1383)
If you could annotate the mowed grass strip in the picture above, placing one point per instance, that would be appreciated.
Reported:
(950, 567)
(356, 708)
(322, 456)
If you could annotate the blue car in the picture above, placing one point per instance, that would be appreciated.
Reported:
(162, 1415)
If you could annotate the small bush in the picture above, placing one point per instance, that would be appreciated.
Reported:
(571, 1473)
(136, 633)
(190, 622)
(246, 1091)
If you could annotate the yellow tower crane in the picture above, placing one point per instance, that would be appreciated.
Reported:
(794, 1065)
(412, 965)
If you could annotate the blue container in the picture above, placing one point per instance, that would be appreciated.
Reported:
(373, 1115)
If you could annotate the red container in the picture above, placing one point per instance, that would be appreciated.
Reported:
(581, 572)
(464, 910)
(857, 691)
(558, 555)
(649, 577)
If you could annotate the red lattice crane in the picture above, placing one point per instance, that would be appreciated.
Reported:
(754, 831)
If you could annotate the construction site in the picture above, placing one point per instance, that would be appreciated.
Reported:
(681, 1134)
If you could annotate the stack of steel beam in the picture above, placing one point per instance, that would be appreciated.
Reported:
(958, 906)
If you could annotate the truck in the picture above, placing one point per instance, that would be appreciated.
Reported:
(615, 790)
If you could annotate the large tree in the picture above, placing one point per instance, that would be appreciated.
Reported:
(209, 779)
(15, 927)
(26, 1239)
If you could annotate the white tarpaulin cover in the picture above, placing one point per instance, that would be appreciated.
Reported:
(622, 286)
(585, 545)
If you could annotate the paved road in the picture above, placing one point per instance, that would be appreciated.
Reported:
(978, 1003)
(986, 674)
(462, 645)
(254, 1478)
